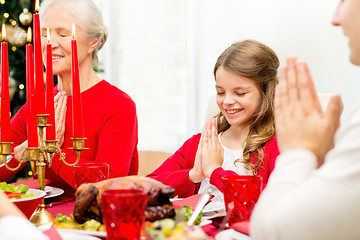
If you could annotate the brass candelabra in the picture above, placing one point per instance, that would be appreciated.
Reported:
(39, 158)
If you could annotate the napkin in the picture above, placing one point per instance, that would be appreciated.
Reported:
(52, 234)
(189, 201)
(243, 227)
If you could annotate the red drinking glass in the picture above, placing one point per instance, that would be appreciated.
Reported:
(242, 193)
(123, 213)
(90, 172)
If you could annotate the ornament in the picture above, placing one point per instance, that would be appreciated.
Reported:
(25, 17)
(16, 35)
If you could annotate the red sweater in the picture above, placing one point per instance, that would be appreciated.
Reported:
(175, 170)
(110, 128)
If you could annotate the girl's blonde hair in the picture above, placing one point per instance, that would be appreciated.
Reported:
(258, 62)
(89, 16)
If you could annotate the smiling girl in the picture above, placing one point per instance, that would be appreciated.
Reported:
(242, 138)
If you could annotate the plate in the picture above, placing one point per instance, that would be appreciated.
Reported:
(204, 222)
(72, 236)
(79, 233)
(231, 234)
(54, 192)
(214, 207)
(48, 189)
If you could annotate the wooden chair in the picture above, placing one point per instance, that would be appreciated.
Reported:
(151, 160)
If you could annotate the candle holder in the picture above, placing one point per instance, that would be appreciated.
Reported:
(39, 158)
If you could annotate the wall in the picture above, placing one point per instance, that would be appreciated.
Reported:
(162, 53)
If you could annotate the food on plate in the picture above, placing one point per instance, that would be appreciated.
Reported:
(188, 212)
(88, 197)
(63, 221)
(162, 230)
(15, 192)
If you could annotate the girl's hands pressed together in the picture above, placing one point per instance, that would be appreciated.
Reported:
(196, 173)
(212, 151)
(60, 101)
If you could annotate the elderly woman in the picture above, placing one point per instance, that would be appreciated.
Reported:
(110, 121)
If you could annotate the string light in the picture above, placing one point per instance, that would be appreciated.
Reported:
(13, 48)
(21, 86)
(6, 15)
(2, 1)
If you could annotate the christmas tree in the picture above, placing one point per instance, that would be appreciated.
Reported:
(17, 17)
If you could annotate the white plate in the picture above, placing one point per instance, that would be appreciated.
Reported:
(82, 232)
(231, 234)
(37, 192)
(48, 189)
(54, 192)
(67, 235)
(204, 222)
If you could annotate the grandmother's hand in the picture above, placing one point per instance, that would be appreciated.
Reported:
(60, 101)
(299, 119)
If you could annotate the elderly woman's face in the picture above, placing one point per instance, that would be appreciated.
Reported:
(59, 22)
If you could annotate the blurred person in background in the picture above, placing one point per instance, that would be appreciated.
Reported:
(13, 223)
(314, 190)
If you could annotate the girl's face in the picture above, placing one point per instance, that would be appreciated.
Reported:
(237, 97)
(59, 22)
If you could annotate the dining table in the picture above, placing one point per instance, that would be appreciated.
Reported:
(64, 204)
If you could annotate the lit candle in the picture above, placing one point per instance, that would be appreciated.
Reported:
(31, 117)
(78, 130)
(5, 98)
(38, 63)
(50, 130)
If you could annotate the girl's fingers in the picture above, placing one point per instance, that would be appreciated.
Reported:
(214, 136)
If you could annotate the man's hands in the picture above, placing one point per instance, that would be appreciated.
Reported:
(299, 119)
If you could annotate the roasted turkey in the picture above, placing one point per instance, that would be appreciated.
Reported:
(88, 197)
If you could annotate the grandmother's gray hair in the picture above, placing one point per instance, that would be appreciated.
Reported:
(89, 16)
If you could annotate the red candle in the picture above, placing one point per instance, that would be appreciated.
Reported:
(31, 117)
(39, 74)
(50, 130)
(78, 130)
(5, 98)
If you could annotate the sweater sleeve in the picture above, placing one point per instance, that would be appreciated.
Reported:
(302, 201)
(175, 170)
(215, 178)
(271, 152)
(117, 142)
